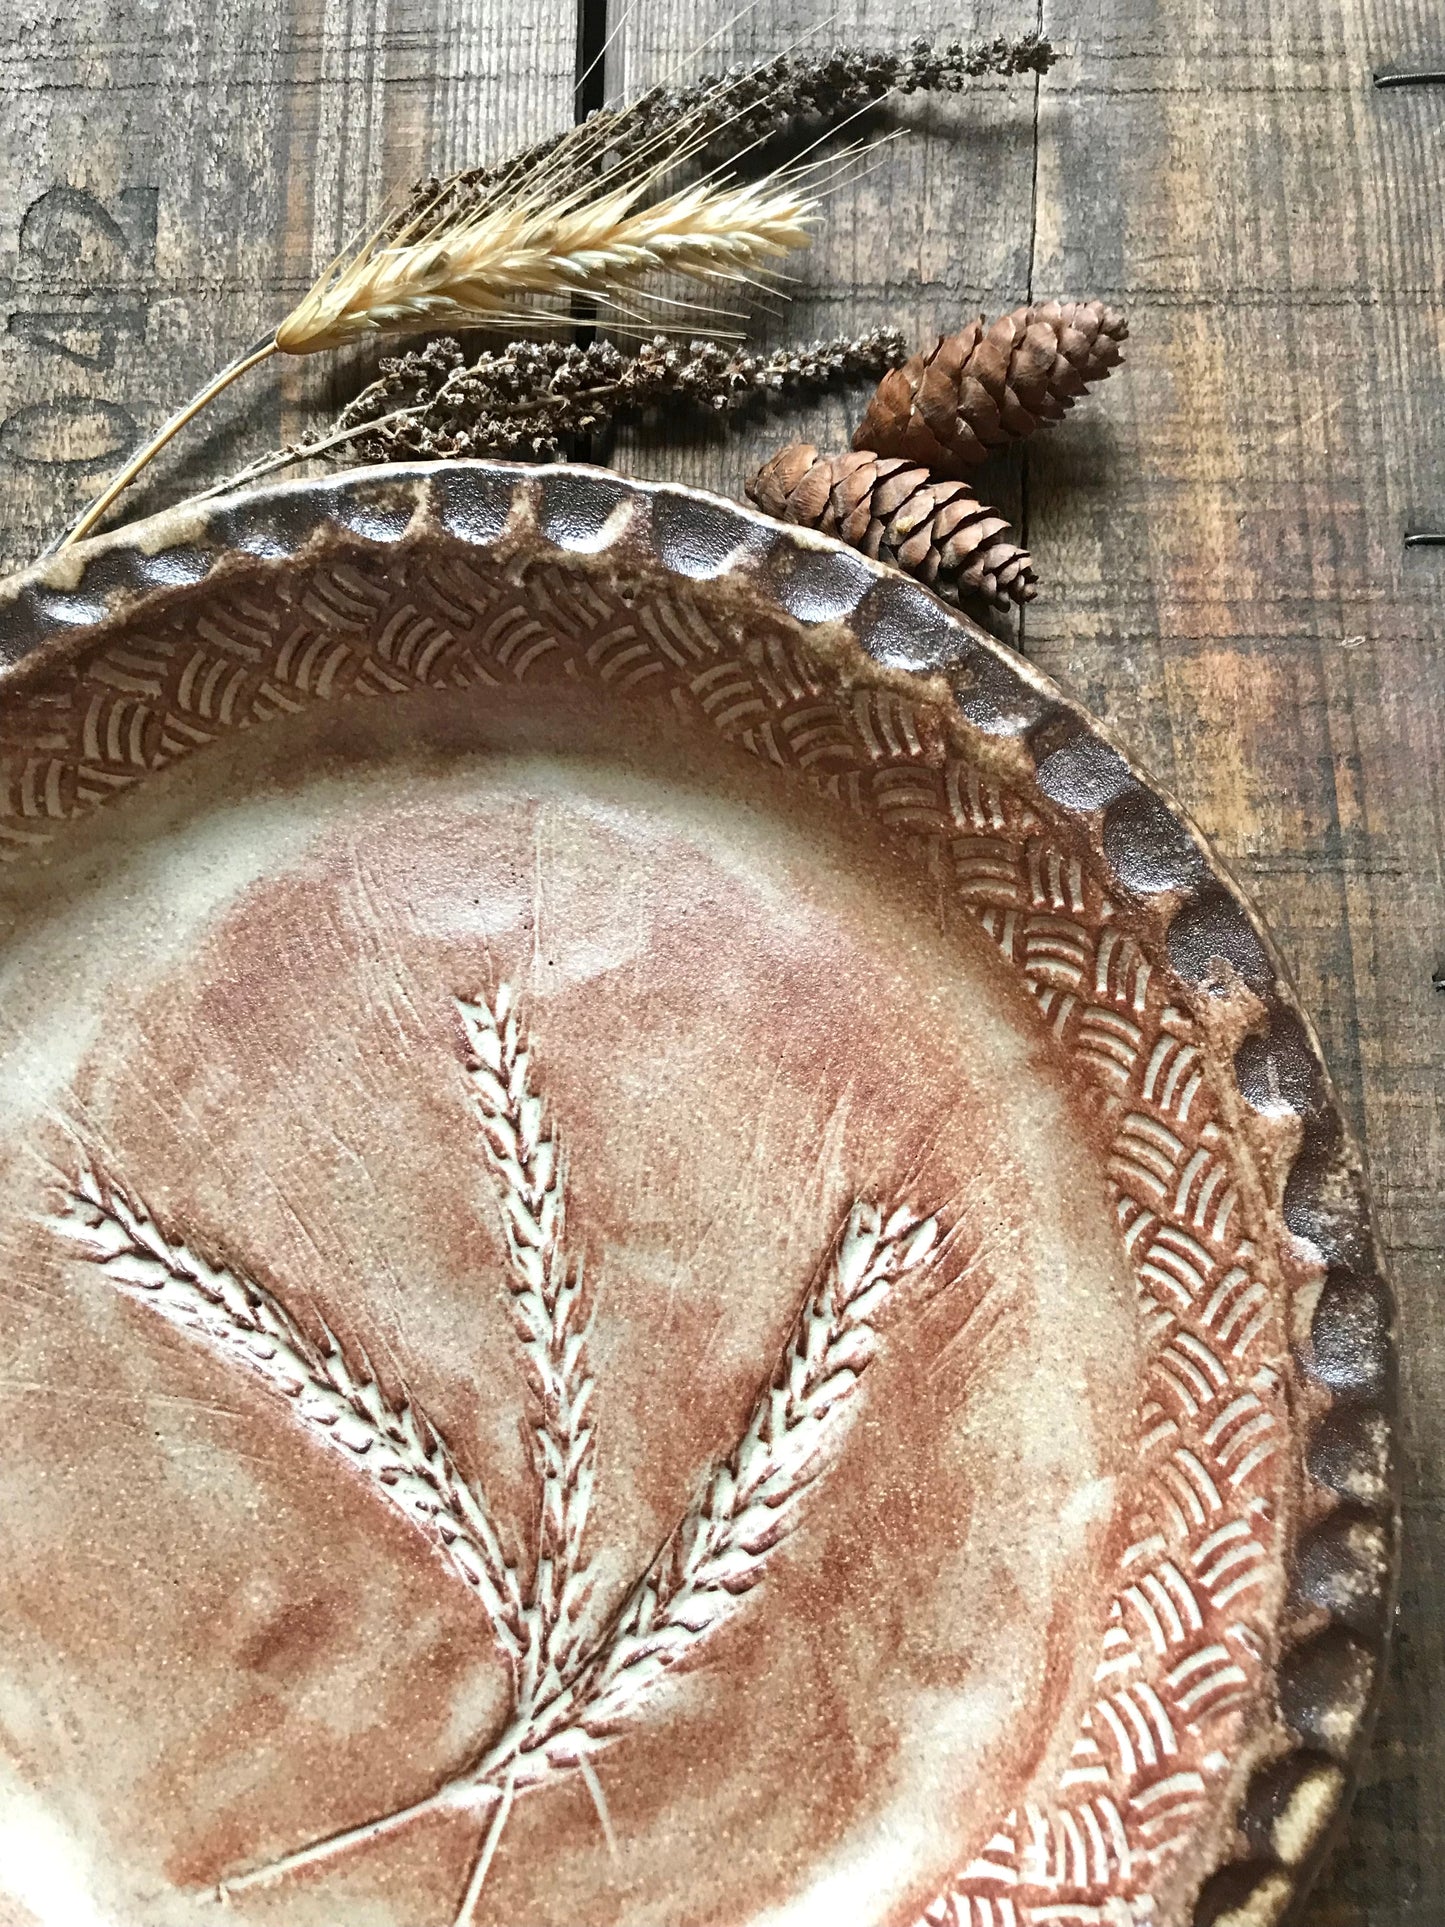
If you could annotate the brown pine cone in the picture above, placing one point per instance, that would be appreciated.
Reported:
(991, 384)
(936, 530)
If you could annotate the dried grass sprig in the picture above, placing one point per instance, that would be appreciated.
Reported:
(532, 397)
(539, 393)
(547, 1298)
(392, 1444)
(721, 115)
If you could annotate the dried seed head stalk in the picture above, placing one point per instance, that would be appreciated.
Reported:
(431, 403)
(547, 1299)
(745, 1508)
(718, 116)
(475, 270)
(393, 1445)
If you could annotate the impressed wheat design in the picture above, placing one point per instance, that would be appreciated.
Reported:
(341, 1405)
(575, 1686)
(527, 1163)
(744, 1509)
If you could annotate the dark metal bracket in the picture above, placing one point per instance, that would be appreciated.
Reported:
(1411, 76)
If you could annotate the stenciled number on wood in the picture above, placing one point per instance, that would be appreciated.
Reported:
(574, 1682)
(91, 265)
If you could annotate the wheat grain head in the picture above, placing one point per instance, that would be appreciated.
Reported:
(392, 1444)
(474, 269)
(547, 1299)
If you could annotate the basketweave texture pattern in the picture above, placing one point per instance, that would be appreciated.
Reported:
(1244, 1632)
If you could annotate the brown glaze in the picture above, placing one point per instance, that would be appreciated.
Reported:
(791, 927)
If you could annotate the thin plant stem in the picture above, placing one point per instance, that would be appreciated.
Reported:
(146, 455)
(301, 452)
(467, 1912)
(449, 1796)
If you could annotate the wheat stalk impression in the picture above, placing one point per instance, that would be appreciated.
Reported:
(547, 1296)
(744, 1509)
(342, 1405)
(573, 1689)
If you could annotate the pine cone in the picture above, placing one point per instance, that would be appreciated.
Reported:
(991, 384)
(936, 530)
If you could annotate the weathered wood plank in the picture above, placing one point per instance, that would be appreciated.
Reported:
(169, 182)
(1225, 582)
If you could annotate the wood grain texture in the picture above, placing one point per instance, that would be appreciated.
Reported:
(172, 177)
(1220, 529)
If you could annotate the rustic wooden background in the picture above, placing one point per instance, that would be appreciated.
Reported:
(1221, 532)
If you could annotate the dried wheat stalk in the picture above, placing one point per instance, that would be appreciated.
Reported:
(403, 1455)
(547, 1297)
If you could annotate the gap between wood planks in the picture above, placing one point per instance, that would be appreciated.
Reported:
(1029, 297)
(589, 94)
(591, 90)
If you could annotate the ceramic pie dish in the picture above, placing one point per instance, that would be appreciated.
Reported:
(671, 1252)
